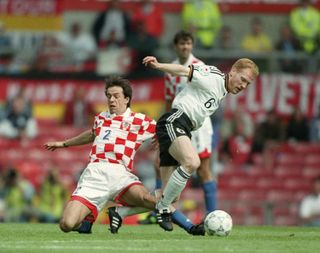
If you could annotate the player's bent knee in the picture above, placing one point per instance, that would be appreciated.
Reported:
(66, 226)
(192, 164)
(196, 163)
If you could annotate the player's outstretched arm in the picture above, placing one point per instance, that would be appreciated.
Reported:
(173, 69)
(53, 145)
(83, 138)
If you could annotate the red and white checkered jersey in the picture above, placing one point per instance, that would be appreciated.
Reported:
(118, 137)
(174, 84)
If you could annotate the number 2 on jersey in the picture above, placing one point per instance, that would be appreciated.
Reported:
(107, 134)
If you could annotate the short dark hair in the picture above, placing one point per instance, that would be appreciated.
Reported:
(182, 35)
(120, 82)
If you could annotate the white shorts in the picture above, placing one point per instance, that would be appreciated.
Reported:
(202, 139)
(102, 182)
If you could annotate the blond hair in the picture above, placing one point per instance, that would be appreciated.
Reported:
(245, 63)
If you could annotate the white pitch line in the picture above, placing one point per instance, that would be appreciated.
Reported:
(90, 245)
(105, 247)
(88, 242)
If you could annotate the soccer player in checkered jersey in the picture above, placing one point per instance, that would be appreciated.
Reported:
(116, 135)
(206, 88)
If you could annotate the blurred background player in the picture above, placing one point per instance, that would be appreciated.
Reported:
(16, 120)
(80, 45)
(79, 112)
(310, 205)
(52, 197)
(305, 23)
(202, 138)
(203, 19)
(111, 26)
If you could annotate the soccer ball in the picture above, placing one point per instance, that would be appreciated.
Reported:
(218, 223)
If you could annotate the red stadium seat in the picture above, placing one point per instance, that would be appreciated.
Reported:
(280, 196)
(282, 210)
(285, 221)
(267, 184)
(285, 172)
(255, 220)
(242, 183)
(256, 210)
(313, 160)
(238, 214)
(38, 154)
(290, 159)
(253, 196)
(32, 171)
(297, 185)
(223, 183)
(193, 194)
(233, 172)
(306, 148)
(311, 172)
(227, 195)
(259, 172)
(257, 159)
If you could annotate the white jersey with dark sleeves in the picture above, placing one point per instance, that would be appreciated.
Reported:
(203, 94)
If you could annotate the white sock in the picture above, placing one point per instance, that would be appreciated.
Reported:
(174, 187)
(125, 211)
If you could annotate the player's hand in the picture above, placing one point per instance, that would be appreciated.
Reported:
(54, 145)
(151, 62)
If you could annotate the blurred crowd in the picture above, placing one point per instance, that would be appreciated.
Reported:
(33, 189)
(137, 32)
(242, 137)
(20, 201)
(78, 49)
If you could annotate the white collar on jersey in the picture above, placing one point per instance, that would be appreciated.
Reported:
(126, 113)
(188, 62)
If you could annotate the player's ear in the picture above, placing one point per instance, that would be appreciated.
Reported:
(127, 100)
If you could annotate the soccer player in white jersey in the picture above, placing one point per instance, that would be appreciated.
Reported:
(116, 135)
(201, 138)
(206, 88)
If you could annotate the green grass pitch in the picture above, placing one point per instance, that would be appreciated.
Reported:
(36, 238)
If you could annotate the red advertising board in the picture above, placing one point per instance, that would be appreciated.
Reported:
(31, 15)
(282, 92)
(59, 91)
(31, 7)
(226, 6)
(53, 7)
